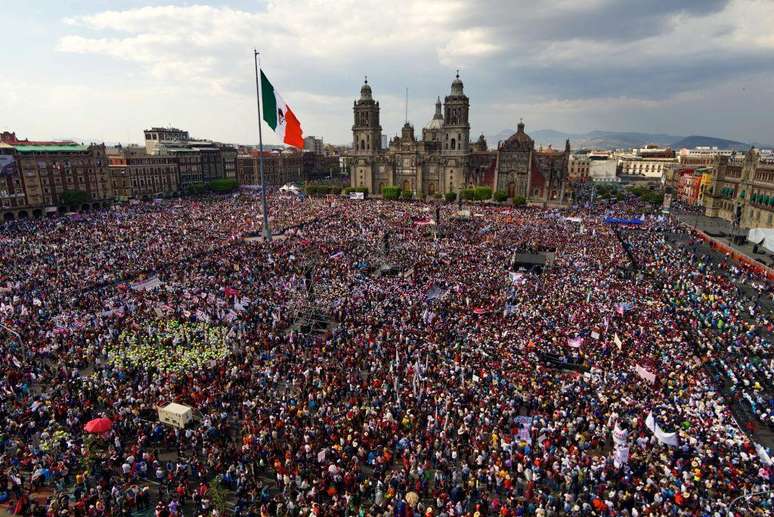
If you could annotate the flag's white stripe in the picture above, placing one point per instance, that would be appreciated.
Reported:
(281, 106)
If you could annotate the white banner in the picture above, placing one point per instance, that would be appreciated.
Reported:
(146, 285)
(763, 455)
(645, 374)
(621, 455)
(524, 428)
(665, 438)
(620, 435)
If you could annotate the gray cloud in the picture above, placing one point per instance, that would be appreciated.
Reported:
(569, 64)
(528, 22)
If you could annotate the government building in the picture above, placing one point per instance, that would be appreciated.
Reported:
(445, 160)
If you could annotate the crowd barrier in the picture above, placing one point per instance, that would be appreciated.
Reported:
(735, 254)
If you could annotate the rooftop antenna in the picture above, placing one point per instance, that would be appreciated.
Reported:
(406, 105)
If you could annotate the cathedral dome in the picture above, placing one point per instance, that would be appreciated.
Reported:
(365, 90)
(456, 86)
(437, 121)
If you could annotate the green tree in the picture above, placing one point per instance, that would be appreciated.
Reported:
(74, 197)
(450, 197)
(519, 201)
(391, 192)
(407, 194)
(311, 189)
(482, 193)
(468, 194)
(196, 188)
(223, 185)
(500, 196)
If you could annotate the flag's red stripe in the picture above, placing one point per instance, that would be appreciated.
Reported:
(293, 133)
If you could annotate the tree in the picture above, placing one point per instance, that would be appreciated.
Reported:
(519, 201)
(74, 197)
(223, 185)
(391, 192)
(407, 194)
(482, 193)
(500, 196)
(450, 197)
(197, 188)
(468, 194)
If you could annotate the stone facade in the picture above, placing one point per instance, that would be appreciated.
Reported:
(438, 162)
(278, 168)
(138, 174)
(742, 190)
(540, 176)
(48, 171)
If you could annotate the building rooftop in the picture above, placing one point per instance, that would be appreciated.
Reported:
(63, 148)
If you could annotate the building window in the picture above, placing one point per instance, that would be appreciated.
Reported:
(453, 144)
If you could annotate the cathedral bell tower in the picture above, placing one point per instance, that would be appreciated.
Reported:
(366, 131)
(456, 107)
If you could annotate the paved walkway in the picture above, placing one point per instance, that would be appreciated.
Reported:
(721, 230)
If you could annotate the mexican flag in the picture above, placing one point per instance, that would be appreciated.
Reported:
(279, 116)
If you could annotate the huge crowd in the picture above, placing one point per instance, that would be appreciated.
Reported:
(457, 382)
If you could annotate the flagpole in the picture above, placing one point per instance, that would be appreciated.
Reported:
(266, 230)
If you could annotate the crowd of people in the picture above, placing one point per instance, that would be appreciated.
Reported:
(454, 382)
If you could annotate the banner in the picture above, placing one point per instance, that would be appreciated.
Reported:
(7, 165)
(517, 278)
(525, 426)
(618, 342)
(665, 438)
(146, 285)
(621, 456)
(620, 436)
(575, 342)
(618, 220)
(645, 374)
(357, 195)
(763, 455)
(667, 204)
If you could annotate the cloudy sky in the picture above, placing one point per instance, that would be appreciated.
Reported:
(106, 69)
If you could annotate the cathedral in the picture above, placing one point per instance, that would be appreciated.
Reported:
(438, 163)
(445, 160)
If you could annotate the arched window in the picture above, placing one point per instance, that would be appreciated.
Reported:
(453, 144)
(362, 145)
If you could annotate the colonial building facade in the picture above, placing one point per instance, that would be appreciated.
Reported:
(742, 190)
(438, 162)
(539, 176)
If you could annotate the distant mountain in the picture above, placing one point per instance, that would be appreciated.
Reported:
(618, 140)
(708, 141)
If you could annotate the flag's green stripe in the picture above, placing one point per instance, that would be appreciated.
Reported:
(269, 102)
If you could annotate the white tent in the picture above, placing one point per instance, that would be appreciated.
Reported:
(766, 235)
